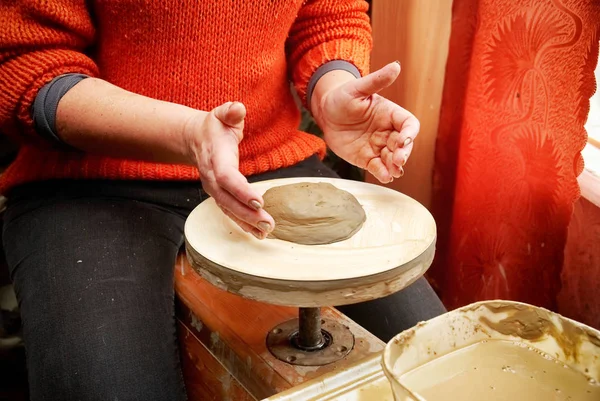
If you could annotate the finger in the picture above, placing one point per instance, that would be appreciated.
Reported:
(231, 114)
(379, 139)
(379, 171)
(397, 140)
(387, 158)
(225, 163)
(406, 130)
(406, 124)
(244, 226)
(401, 155)
(259, 219)
(377, 81)
(231, 180)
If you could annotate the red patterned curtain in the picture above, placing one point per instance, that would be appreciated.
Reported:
(519, 77)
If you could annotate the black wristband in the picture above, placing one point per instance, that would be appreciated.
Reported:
(46, 103)
(324, 69)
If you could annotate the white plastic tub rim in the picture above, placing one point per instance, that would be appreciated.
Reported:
(570, 342)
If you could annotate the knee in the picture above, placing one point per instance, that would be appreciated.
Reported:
(85, 372)
(88, 358)
(389, 316)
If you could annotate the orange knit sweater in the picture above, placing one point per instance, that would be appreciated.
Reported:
(196, 53)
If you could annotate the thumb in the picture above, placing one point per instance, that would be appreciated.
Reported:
(378, 80)
(231, 114)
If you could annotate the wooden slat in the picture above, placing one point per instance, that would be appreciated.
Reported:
(206, 379)
(590, 186)
(234, 330)
(594, 142)
(417, 33)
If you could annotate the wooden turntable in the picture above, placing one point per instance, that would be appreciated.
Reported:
(394, 248)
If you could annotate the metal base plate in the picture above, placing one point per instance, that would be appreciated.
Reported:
(338, 342)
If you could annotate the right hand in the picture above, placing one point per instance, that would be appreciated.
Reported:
(213, 141)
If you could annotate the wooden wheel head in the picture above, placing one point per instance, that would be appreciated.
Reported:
(394, 247)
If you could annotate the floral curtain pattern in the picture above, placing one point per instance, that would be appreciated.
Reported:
(518, 82)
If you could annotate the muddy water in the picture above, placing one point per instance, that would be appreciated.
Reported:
(499, 371)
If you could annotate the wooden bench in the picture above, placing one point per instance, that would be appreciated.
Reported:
(223, 342)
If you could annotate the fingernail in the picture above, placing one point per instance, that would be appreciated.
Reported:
(401, 172)
(404, 162)
(264, 226)
(397, 62)
(407, 142)
(391, 180)
(258, 234)
(255, 204)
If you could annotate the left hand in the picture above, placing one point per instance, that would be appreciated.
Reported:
(364, 128)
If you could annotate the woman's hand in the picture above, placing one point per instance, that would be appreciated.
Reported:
(361, 126)
(213, 140)
(98, 117)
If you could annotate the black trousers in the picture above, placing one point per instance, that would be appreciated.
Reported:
(92, 264)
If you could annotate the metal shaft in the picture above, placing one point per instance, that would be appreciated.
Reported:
(309, 330)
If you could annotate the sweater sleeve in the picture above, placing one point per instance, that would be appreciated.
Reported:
(39, 40)
(324, 31)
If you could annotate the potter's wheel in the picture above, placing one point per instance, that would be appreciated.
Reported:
(394, 248)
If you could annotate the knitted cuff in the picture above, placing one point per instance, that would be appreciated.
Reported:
(46, 103)
(324, 69)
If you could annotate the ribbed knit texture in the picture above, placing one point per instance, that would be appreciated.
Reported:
(196, 53)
